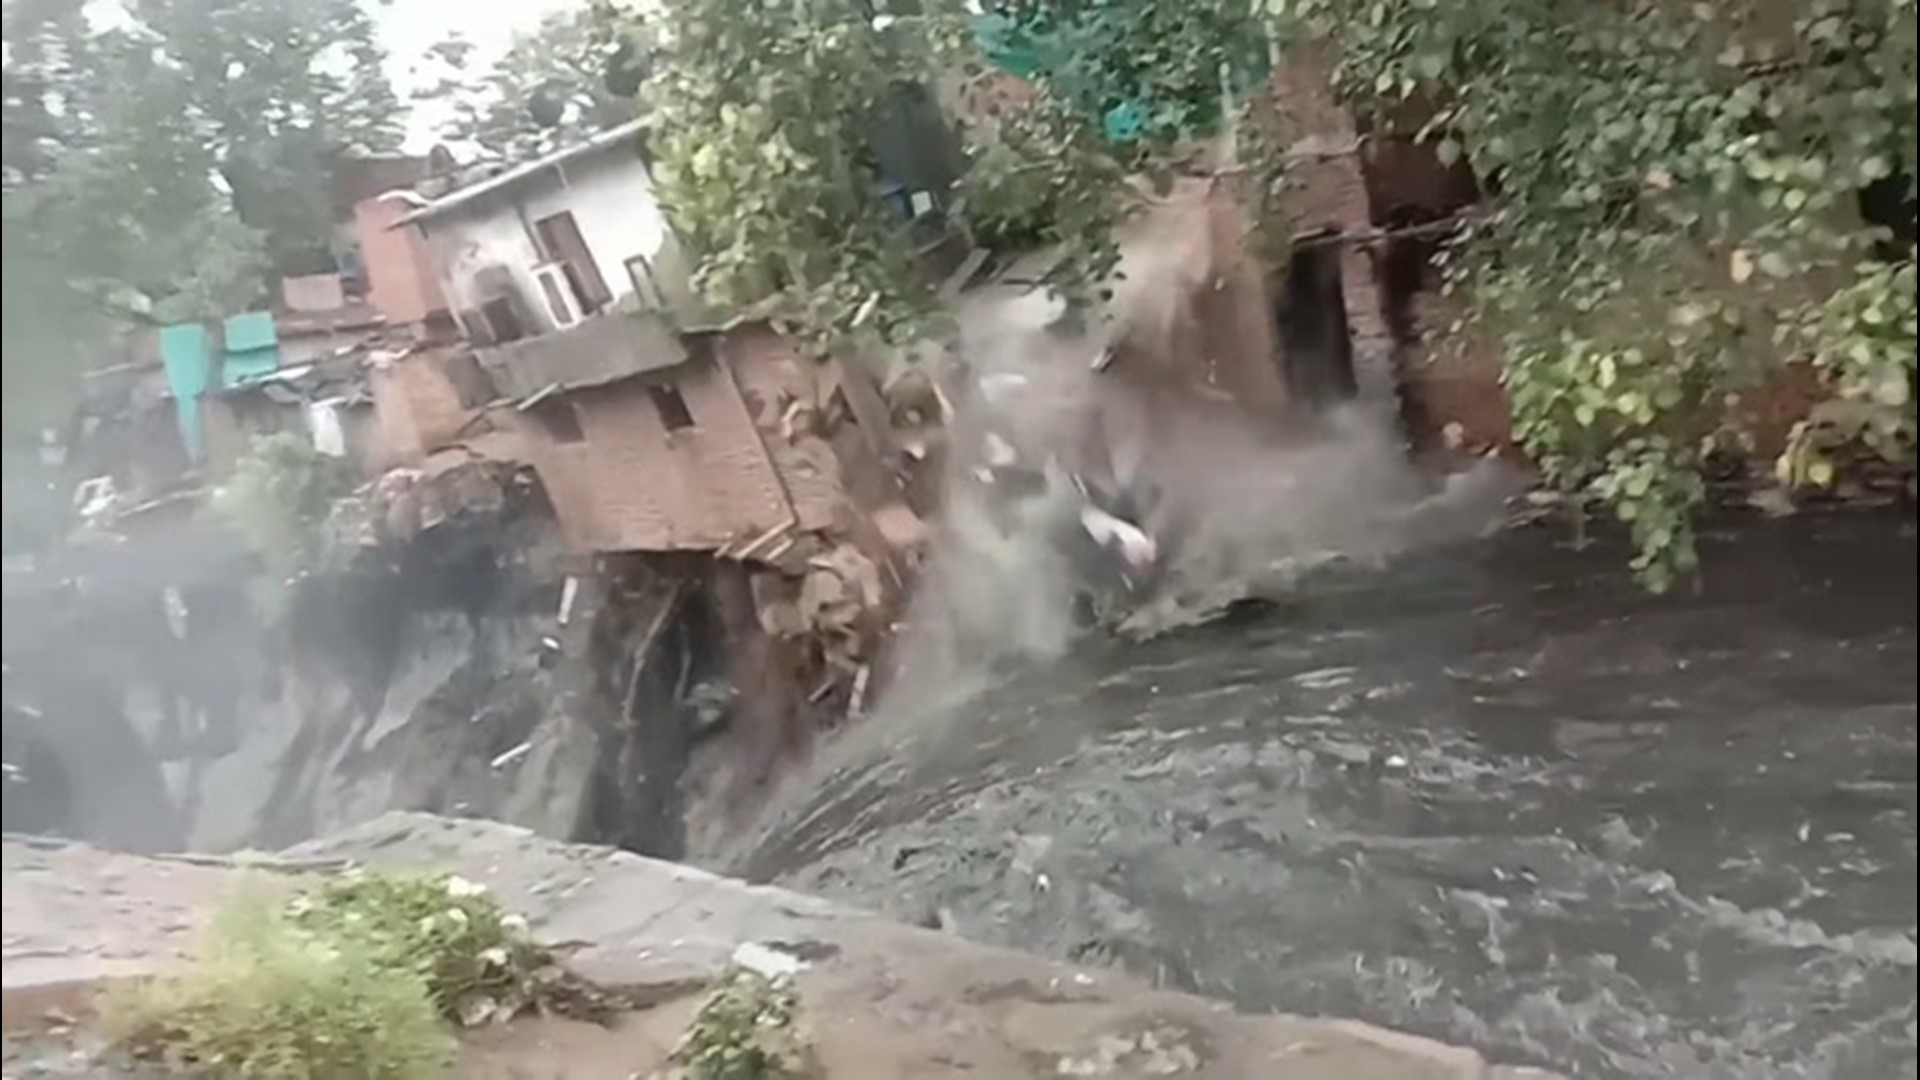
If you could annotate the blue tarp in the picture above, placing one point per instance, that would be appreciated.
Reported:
(187, 357)
(252, 348)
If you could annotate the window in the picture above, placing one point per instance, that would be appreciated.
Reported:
(558, 419)
(671, 407)
(645, 285)
(561, 240)
(503, 321)
(1316, 349)
(558, 309)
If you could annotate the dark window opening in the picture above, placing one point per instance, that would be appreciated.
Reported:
(559, 419)
(674, 415)
(473, 326)
(1405, 269)
(1316, 349)
(1888, 202)
(470, 381)
(503, 320)
(560, 239)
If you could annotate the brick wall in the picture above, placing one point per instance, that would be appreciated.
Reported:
(403, 282)
(417, 406)
(1194, 308)
(630, 484)
(785, 394)
(1327, 192)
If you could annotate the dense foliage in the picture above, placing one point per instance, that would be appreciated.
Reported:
(1676, 213)
(762, 123)
(157, 164)
(759, 120)
(1038, 180)
(1146, 72)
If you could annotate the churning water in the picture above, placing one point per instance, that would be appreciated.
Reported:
(1489, 793)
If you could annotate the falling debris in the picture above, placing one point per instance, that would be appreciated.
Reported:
(510, 756)
(1114, 533)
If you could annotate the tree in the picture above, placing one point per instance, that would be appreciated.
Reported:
(1146, 71)
(557, 84)
(156, 169)
(765, 127)
(1684, 204)
(276, 91)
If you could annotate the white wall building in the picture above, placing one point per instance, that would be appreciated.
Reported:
(547, 243)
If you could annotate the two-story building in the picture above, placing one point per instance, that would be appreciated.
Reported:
(663, 436)
(652, 427)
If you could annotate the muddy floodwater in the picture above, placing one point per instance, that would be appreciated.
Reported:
(1493, 795)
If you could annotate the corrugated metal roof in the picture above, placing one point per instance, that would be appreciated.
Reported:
(627, 132)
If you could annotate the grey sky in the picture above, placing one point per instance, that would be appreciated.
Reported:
(408, 27)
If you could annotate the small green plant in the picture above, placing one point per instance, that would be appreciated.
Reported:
(474, 957)
(744, 1031)
(358, 977)
(264, 998)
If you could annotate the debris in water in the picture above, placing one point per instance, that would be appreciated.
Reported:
(1109, 531)
(567, 593)
(509, 757)
(857, 699)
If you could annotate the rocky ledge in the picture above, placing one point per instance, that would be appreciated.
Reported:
(878, 999)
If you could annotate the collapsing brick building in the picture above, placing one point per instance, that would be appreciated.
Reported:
(708, 476)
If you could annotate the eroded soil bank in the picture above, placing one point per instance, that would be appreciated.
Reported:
(879, 1000)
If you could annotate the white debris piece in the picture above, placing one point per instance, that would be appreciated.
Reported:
(1001, 387)
(176, 610)
(510, 756)
(1000, 453)
(769, 963)
(1107, 530)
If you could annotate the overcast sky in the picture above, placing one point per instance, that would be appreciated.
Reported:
(408, 27)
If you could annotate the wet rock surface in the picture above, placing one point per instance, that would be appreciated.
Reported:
(1497, 798)
(879, 1000)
